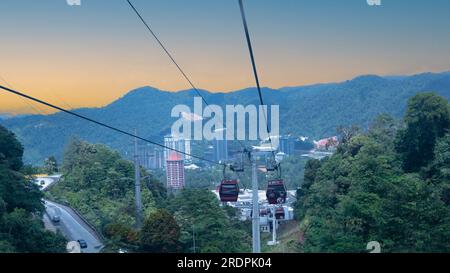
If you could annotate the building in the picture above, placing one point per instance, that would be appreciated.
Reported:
(157, 159)
(287, 145)
(220, 147)
(144, 157)
(187, 149)
(221, 150)
(192, 167)
(151, 158)
(175, 171)
(179, 144)
(326, 143)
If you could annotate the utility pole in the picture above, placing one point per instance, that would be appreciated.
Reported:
(137, 184)
(255, 215)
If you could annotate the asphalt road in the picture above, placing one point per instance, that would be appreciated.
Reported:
(74, 228)
(71, 225)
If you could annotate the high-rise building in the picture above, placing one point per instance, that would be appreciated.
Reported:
(157, 159)
(187, 149)
(150, 158)
(220, 150)
(144, 157)
(175, 171)
(179, 144)
(220, 147)
(287, 144)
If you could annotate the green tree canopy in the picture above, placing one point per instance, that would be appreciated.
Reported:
(160, 233)
(21, 228)
(198, 211)
(11, 150)
(362, 193)
(427, 119)
(99, 183)
(51, 165)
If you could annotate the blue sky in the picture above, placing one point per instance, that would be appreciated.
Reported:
(94, 53)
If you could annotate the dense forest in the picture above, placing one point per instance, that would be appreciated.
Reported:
(390, 184)
(21, 205)
(100, 185)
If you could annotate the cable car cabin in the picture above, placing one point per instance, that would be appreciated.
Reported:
(276, 192)
(229, 191)
(279, 213)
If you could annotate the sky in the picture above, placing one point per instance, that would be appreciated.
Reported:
(90, 55)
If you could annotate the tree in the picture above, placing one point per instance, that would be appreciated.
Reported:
(15, 190)
(21, 228)
(158, 190)
(215, 230)
(427, 119)
(51, 165)
(99, 183)
(440, 167)
(362, 193)
(11, 150)
(439, 170)
(160, 233)
(27, 234)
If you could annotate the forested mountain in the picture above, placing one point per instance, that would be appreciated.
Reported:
(313, 111)
(390, 185)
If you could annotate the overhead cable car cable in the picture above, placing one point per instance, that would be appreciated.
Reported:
(103, 124)
(171, 57)
(255, 71)
(167, 51)
(33, 109)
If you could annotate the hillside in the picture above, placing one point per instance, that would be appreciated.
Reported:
(313, 111)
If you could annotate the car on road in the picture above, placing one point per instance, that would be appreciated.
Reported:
(82, 243)
(54, 214)
(56, 219)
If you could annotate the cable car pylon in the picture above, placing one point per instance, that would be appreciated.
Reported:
(256, 233)
(229, 192)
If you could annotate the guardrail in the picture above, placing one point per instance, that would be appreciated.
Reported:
(97, 234)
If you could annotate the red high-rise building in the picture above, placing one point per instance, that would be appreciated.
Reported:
(175, 171)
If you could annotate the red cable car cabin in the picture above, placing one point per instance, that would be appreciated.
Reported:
(276, 192)
(229, 191)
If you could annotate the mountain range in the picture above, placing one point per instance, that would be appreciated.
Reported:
(5, 116)
(314, 111)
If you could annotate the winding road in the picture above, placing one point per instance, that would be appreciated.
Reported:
(72, 226)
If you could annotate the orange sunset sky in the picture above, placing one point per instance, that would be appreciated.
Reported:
(93, 54)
